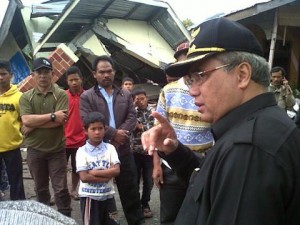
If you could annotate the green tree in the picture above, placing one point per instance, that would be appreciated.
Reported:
(187, 23)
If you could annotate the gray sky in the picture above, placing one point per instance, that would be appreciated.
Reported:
(199, 10)
(4, 4)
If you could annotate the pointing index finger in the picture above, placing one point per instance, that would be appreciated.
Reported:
(161, 119)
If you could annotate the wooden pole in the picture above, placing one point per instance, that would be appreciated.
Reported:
(273, 39)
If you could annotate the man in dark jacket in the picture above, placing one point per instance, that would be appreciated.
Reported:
(252, 174)
(117, 106)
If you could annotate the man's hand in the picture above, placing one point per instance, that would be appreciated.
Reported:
(139, 126)
(117, 145)
(61, 116)
(121, 137)
(288, 89)
(26, 130)
(161, 137)
(157, 176)
(285, 82)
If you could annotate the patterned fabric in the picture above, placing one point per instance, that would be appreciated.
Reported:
(144, 117)
(28, 212)
(176, 104)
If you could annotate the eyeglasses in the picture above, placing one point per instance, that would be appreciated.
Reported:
(200, 77)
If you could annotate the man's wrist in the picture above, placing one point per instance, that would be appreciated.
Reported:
(166, 152)
(53, 117)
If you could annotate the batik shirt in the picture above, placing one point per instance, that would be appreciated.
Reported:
(178, 106)
(144, 117)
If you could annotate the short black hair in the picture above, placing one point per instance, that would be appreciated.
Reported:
(278, 69)
(138, 91)
(73, 70)
(103, 58)
(127, 79)
(93, 117)
(5, 65)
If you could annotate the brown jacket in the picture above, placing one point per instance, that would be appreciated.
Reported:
(124, 112)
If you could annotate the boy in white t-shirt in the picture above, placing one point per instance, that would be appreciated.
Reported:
(97, 163)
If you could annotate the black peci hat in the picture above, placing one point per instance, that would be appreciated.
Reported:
(216, 36)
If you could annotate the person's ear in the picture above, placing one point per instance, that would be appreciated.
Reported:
(94, 74)
(244, 74)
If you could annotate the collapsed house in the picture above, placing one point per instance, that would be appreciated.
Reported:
(140, 36)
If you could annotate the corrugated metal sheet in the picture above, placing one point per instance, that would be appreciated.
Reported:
(86, 11)
(258, 9)
(55, 8)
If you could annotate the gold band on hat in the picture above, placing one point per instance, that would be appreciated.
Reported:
(193, 49)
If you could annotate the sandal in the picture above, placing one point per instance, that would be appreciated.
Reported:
(147, 213)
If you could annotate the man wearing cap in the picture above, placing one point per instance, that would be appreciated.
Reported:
(178, 107)
(44, 111)
(10, 132)
(251, 175)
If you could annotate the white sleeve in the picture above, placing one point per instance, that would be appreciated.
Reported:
(81, 163)
(114, 159)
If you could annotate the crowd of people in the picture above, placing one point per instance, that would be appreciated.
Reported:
(209, 145)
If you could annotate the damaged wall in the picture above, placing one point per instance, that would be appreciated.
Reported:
(9, 46)
(142, 37)
(36, 27)
(137, 38)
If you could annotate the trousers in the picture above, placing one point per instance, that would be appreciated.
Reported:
(43, 165)
(144, 166)
(172, 193)
(14, 169)
(129, 190)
